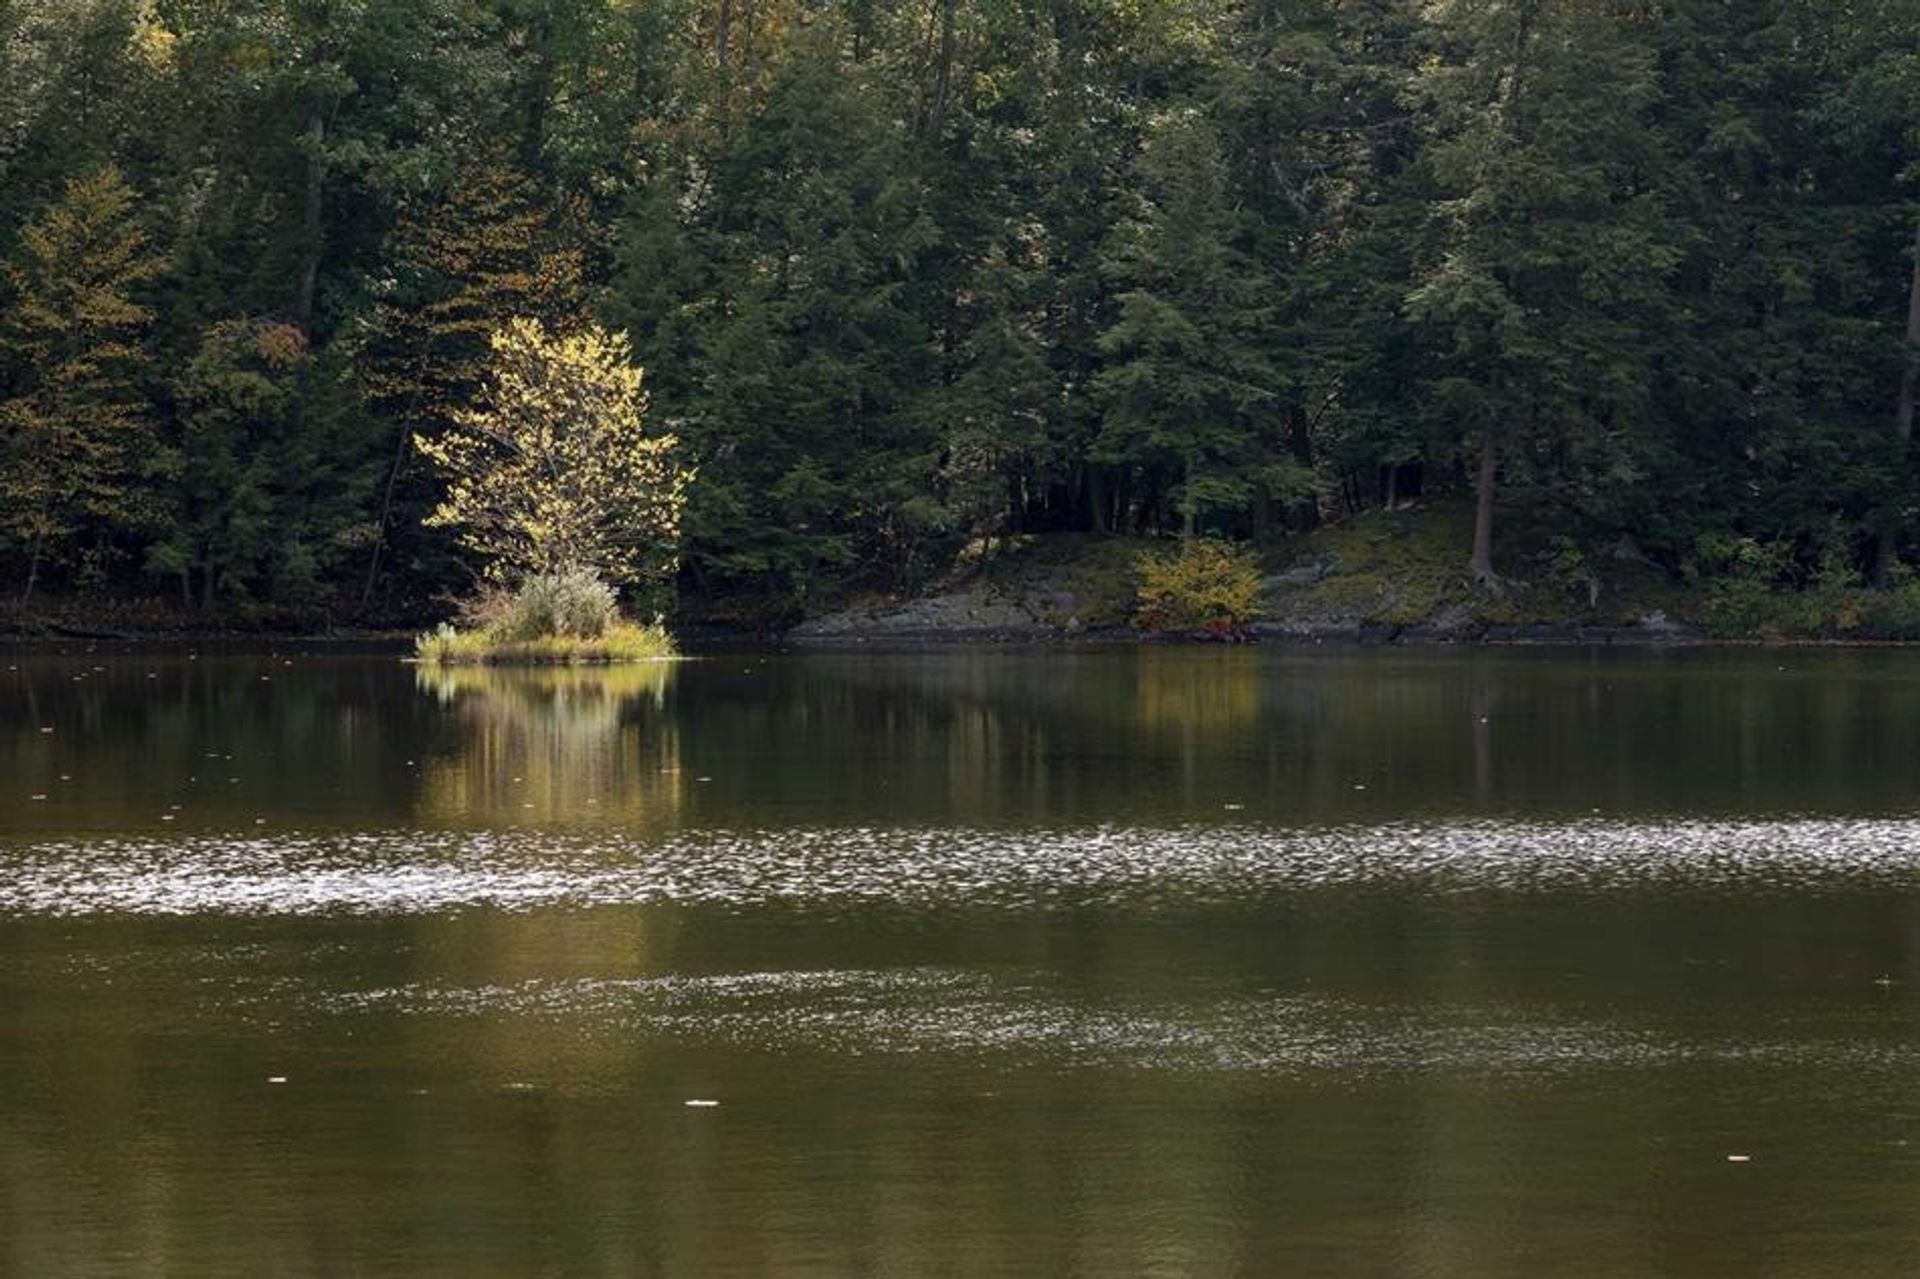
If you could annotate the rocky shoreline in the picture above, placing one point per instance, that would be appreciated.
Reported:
(1057, 614)
(910, 624)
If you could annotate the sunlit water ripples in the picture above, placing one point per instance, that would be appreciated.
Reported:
(413, 873)
(1025, 1019)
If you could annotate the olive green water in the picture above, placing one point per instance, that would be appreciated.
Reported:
(1157, 962)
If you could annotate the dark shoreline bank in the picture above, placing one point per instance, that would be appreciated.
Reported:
(1369, 635)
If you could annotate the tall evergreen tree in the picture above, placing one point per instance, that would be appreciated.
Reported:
(277, 469)
(1542, 291)
(79, 456)
(1189, 388)
(489, 251)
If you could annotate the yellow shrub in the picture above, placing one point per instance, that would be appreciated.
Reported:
(1203, 585)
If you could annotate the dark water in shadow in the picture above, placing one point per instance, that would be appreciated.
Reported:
(996, 963)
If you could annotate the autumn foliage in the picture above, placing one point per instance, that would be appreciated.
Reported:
(553, 470)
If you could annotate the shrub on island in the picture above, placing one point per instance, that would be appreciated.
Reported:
(558, 619)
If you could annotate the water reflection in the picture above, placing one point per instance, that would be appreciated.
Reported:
(561, 744)
(482, 1094)
(1156, 961)
(178, 744)
(1213, 701)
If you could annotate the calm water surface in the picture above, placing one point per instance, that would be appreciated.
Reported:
(1134, 962)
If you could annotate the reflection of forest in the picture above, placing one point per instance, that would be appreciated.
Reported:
(568, 744)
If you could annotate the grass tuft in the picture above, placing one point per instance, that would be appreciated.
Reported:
(622, 641)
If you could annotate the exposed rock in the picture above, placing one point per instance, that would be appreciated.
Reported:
(957, 615)
(1315, 570)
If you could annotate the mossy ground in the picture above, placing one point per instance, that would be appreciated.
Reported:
(1407, 568)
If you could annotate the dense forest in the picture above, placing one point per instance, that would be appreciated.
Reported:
(907, 276)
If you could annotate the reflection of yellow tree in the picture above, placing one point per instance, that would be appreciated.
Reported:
(1209, 693)
(561, 744)
(544, 983)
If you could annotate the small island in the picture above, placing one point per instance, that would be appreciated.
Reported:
(554, 481)
(560, 620)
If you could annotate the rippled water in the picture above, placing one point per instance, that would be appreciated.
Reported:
(1063, 962)
(1018, 1021)
(945, 869)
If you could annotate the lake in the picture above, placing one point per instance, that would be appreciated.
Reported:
(1132, 961)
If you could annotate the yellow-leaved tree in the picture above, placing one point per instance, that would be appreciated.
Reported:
(553, 471)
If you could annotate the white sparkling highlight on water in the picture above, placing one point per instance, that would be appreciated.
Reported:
(1028, 1019)
(410, 872)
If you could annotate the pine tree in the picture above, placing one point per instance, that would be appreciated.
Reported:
(1542, 289)
(810, 415)
(78, 450)
(277, 468)
(488, 251)
(1189, 380)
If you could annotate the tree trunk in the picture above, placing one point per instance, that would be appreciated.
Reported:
(1482, 564)
(1190, 509)
(311, 231)
(386, 513)
(33, 569)
(1910, 371)
(1903, 408)
(943, 75)
(1096, 500)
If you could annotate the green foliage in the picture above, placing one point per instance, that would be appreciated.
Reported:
(1190, 378)
(1892, 614)
(484, 253)
(911, 278)
(1203, 585)
(78, 450)
(277, 469)
(799, 240)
